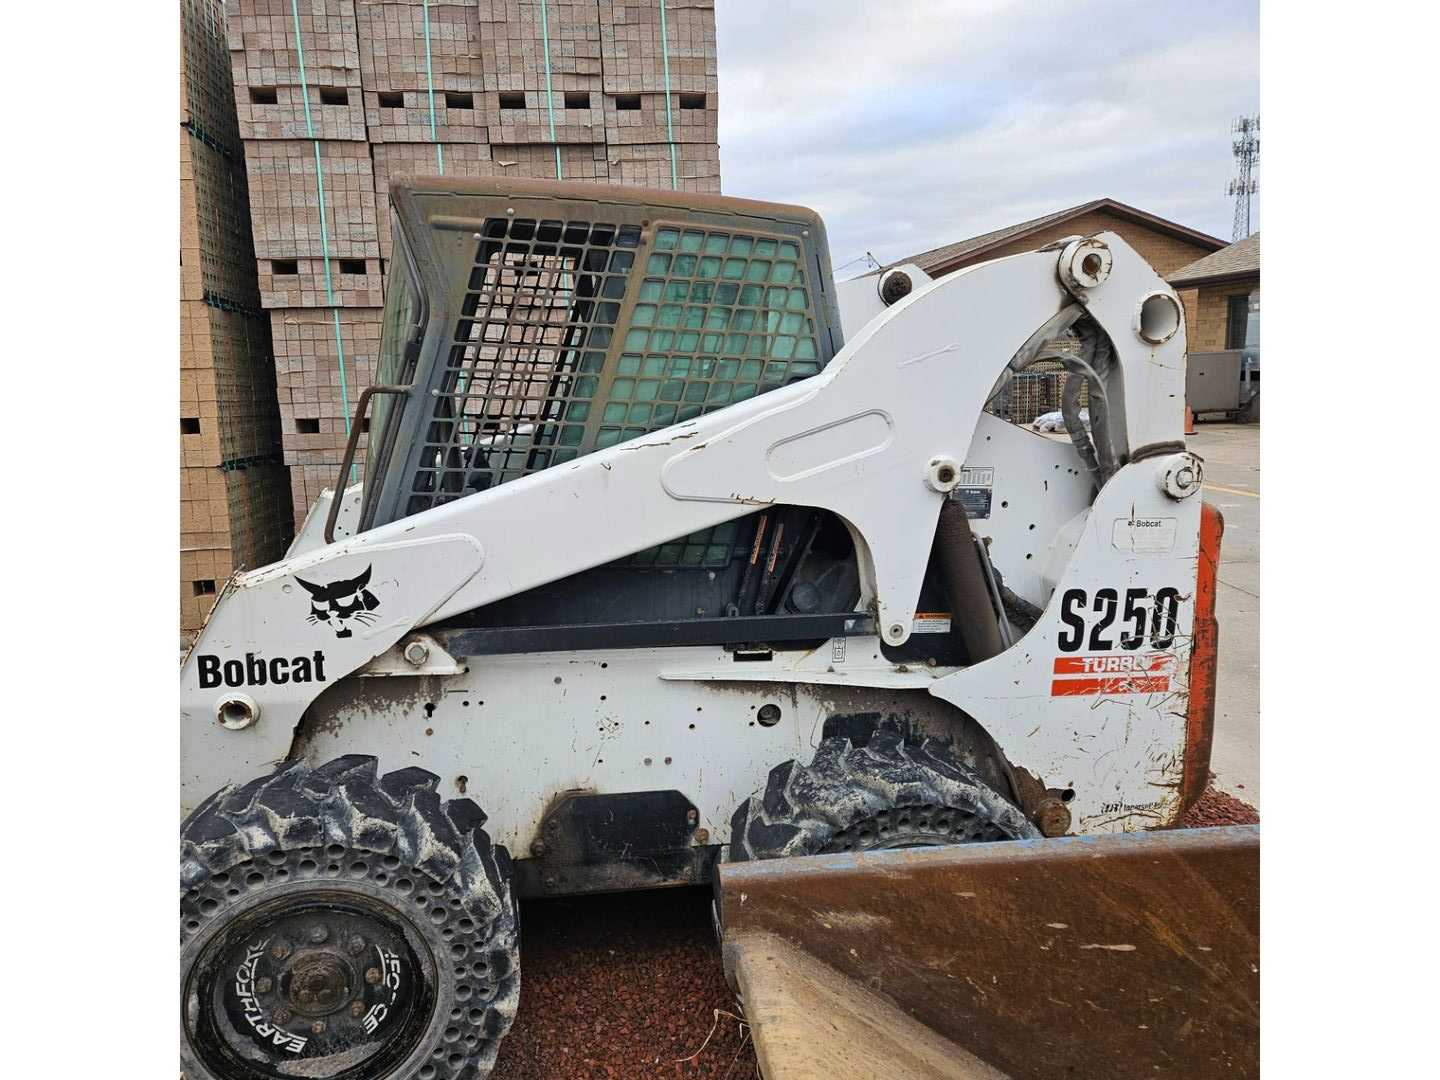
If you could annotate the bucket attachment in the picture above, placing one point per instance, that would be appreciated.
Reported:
(1132, 955)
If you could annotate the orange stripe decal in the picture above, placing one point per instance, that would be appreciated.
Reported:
(1130, 684)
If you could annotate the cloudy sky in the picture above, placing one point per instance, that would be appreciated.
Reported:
(913, 123)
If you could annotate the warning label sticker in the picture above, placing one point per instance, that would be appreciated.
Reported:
(932, 622)
(974, 500)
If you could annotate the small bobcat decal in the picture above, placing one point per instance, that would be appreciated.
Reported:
(341, 601)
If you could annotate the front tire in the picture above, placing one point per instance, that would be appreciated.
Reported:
(885, 794)
(338, 924)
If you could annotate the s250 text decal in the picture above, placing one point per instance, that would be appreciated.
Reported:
(1117, 629)
(1103, 622)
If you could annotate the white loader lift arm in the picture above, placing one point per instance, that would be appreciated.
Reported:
(878, 437)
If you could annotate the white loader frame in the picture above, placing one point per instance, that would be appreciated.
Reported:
(879, 438)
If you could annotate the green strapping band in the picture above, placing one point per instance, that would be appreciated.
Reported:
(430, 88)
(549, 90)
(324, 231)
(669, 115)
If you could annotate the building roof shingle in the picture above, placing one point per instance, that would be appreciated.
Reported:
(962, 249)
(1236, 260)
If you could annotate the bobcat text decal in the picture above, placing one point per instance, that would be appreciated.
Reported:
(257, 671)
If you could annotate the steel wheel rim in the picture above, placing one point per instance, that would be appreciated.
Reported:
(269, 989)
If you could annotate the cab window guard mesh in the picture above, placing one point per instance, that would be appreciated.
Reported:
(521, 374)
(574, 336)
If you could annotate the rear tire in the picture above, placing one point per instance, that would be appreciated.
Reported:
(884, 794)
(333, 922)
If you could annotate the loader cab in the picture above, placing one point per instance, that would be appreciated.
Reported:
(534, 322)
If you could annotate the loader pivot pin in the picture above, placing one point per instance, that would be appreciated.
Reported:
(1085, 264)
(895, 285)
(1181, 475)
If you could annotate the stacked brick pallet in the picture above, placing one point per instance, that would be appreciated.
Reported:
(575, 89)
(313, 216)
(234, 490)
(661, 92)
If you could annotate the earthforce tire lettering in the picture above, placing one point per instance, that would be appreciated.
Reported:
(885, 794)
(338, 924)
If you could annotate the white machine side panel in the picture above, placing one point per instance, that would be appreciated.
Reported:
(1019, 488)
(515, 732)
(1095, 696)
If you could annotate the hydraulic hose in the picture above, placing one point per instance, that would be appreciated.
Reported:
(1056, 325)
(1075, 426)
(1096, 353)
(1095, 446)
(972, 615)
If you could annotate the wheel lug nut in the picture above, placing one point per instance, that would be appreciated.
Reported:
(283, 1015)
(372, 976)
(305, 996)
(262, 986)
(318, 934)
(280, 949)
(356, 945)
(318, 1027)
(357, 1010)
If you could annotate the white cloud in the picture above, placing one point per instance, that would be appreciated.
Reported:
(912, 123)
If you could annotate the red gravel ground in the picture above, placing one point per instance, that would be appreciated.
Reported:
(1217, 808)
(626, 987)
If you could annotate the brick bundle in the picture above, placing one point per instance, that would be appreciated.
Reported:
(308, 377)
(303, 119)
(645, 70)
(235, 501)
(384, 104)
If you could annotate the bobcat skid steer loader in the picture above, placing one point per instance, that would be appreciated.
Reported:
(666, 570)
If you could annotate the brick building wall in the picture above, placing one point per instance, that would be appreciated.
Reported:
(1207, 314)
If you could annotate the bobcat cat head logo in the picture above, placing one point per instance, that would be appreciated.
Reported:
(340, 602)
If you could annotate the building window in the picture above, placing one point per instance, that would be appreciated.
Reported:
(1237, 315)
